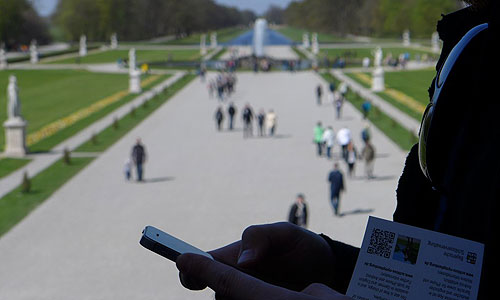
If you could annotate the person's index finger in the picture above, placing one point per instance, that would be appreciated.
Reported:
(226, 281)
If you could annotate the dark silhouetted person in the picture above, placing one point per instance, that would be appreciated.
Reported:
(261, 118)
(247, 116)
(368, 155)
(231, 111)
(319, 94)
(139, 158)
(336, 180)
(219, 117)
(298, 212)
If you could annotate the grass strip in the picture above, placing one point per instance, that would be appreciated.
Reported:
(16, 205)
(410, 112)
(51, 141)
(219, 54)
(119, 128)
(404, 138)
(9, 165)
(299, 53)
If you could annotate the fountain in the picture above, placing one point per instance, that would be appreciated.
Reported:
(259, 36)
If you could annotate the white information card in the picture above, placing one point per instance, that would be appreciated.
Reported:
(398, 261)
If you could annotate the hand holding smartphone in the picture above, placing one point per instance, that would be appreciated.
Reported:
(167, 245)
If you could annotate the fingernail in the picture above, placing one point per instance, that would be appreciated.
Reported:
(246, 256)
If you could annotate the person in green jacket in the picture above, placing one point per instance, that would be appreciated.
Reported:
(318, 137)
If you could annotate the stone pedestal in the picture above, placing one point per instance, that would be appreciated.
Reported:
(135, 82)
(15, 137)
(378, 82)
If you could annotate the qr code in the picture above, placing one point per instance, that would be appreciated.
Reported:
(381, 242)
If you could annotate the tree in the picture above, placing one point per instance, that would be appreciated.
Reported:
(19, 24)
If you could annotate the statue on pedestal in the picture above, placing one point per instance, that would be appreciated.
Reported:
(406, 38)
(315, 44)
(13, 104)
(114, 41)
(33, 52)
(305, 41)
(203, 44)
(378, 57)
(213, 40)
(83, 45)
(134, 73)
(436, 47)
(15, 126)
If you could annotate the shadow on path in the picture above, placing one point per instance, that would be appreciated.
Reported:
(158, 179)
(357, 212)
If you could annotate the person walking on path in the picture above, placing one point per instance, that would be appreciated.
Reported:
(261, 118)
(366, 107)
(219, 118)
(368, 154)
(318, 137)
(127, 168)
(339, 102)
(328, 140)
(139, 158)
(298, 212)
(336, 180)
(352, 155)
(231, 111)
(365, 133)
(271, 122)
(247, 121)
(343, 138)
(319, 94)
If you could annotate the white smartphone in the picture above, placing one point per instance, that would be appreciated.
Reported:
(166, 245)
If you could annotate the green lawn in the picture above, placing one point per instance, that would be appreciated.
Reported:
(47, 96)
(223, 36)
(413, 83)
(143, 56)
(16, 205)
(295, 34)
(397, 133)
(8, 165)
(354, 56)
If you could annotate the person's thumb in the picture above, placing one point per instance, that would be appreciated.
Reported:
(255, 243)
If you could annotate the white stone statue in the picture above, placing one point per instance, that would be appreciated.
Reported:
(114, 41)
(134, 73)
(406, 38)
(436, 47)
(33, 52)
(366, 62)
(315, 44)
(3, 58)
(13, 103)
(131, 60)
(305, 41)
(203, 44)
(213, 40)
(83, 46)
(378, 57)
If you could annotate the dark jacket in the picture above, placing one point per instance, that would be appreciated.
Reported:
(336, 180)
(292, 216)
(138, 154)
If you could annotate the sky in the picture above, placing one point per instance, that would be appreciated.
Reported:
(46, 7)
